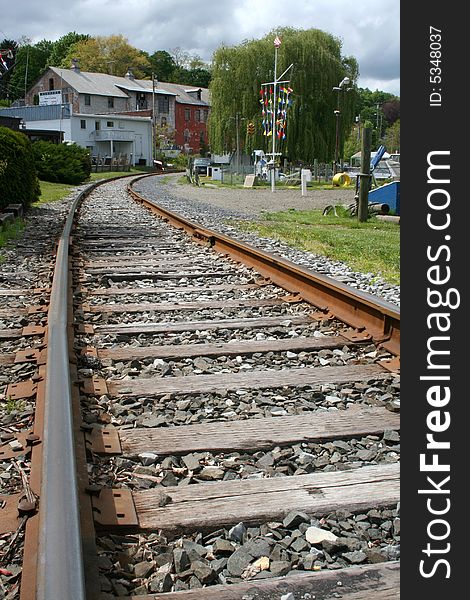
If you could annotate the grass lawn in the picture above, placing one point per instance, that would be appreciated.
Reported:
(57, 191)
(53, 191)
(371, 247)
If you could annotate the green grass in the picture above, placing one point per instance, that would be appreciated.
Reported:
(11, 405)
(110, 174)
(371, 247)
(51, 192)
(10, 232)
(56, 191)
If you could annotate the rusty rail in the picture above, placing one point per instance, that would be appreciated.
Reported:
(369, 315)
(60, 571)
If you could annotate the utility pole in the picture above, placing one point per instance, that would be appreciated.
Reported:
(26, 74)
(364, 185)
(237, 123)
(238, 118)
(154, 122)
(337, 112)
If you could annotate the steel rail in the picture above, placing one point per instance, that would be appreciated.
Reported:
(60, 572)
(362, 311)
(59, 566)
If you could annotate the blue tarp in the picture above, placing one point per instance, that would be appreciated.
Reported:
(387, 194)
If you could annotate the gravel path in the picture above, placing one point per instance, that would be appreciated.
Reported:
(254, 201)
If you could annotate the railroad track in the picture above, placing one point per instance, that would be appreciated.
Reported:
(207, 426)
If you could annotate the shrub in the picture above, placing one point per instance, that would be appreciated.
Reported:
(62, 163)
(179, 161)
(18, 178)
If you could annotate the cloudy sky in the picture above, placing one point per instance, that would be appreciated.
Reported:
(368, 29)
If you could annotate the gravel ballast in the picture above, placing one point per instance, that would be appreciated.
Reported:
(213, 208)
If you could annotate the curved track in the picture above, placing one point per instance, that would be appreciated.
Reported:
(234, 420)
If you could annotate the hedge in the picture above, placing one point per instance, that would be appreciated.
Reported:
(62, 163)
(18, 177)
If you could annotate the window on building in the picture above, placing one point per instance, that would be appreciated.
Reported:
(164, 104)
(187, 114)
(110, 102)
(87, 100)
(97, 125)
(187, 136)
(109, 123)
(82, 124)
(141, 101)
(66, 98)
(163, 121)
(51, 83)
(197, 116)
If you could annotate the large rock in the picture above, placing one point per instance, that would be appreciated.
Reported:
(238, 562)
(294, 518)
(181, 560)
(316, 535)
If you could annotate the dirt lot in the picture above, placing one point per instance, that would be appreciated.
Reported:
(256, 200)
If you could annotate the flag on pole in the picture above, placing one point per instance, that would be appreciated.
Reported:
(277, 42)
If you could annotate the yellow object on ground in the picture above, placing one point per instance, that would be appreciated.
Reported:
(341, 179)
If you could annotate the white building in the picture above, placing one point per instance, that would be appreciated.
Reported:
(105, 136)
(111, 116)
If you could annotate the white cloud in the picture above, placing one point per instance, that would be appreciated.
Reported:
(369, 30)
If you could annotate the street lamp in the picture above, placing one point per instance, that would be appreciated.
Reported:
(337, 112)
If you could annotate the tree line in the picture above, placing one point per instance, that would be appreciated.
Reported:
(23, 63)
(235, 78)
(318, 67)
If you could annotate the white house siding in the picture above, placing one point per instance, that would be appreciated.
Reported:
(129, 135)
(54, 125)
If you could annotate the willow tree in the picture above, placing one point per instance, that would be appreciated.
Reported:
(318, 66)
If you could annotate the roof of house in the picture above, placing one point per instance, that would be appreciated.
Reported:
(102, 84)
(186, 95)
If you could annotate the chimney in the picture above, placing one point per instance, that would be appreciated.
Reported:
(75, 66)
(130, 75)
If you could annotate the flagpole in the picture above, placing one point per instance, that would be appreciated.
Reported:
(274, 112)
(273, 129)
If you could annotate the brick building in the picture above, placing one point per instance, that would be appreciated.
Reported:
(110, 115)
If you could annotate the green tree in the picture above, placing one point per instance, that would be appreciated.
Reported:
(162, 65)
(109, 54)
(197, 77)
(18, 177)
(61, 48)
(392, 137)
(31, 61)
(381, 109)
(237, 75)
(179, 67)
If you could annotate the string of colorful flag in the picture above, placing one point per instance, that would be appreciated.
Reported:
(283, 101)
(5, 54)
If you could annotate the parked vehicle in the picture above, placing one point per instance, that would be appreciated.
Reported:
(200, 165)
